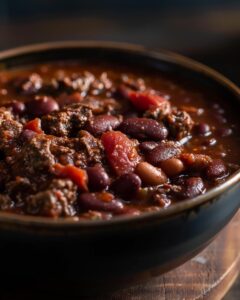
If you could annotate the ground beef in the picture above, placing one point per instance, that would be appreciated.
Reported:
(81, 151)
(68, 121)
(19, 188)
(85, 83)
(57, 200)
(28, 85)
(34, 158)
(159, 113)
(180, 123)
(6, 202)
(9, 129)
(90, 150)
(103, 106)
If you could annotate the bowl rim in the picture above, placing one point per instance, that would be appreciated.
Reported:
(159, 54)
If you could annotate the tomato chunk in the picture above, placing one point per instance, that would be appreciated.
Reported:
(143, 100)
(121, 152)
(77, 175)
(34, 125)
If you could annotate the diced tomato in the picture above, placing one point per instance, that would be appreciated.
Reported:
(121, 152)
(65, 99)
(34, 125)
(143, 100)
(77, 175)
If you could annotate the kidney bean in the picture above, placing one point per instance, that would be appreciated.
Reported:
(223, 132)
(210, 142)
(126, 185)
(147, 146)
(143, 128)
(98, 179)
(27, 135)
(163, 152)
(192, 187)
(220, 118)
(18, 107)
(96, 201)
(196, 161)
(102, 123)
(41, 105)
(172, 166)
(216, 169)
(202, 129)
(150, 175)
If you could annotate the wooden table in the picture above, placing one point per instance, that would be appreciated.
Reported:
(209, 276)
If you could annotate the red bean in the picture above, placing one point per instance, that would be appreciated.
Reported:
(143, 128)
(27, 135)
(127, 185)
(216, 169)
(41, 105)
(210, 142)
(147, 146)
(193, 187)
(102, 123)
(94, 201)
(223, 132)
(163, 152)
(18, 107)
(98, 179)
(202, 129)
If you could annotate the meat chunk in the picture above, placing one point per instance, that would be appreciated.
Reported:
(35, 157)
(159, 112)
(5, 202)
(57, 200)
(85, 83)
(9, 129)
(28, 85)
(68, 121)
(180, 124)
(63, 149)
(103, 105)
(19, 188)
(89, 151)
(80, 151)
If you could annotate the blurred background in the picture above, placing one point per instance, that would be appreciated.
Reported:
(207, 30)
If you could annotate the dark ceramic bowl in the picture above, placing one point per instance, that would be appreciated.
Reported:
(109, 253)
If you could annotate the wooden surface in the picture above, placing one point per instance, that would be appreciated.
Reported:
(207, 276)
(234, 292)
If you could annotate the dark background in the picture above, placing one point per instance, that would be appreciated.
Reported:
(207, 30)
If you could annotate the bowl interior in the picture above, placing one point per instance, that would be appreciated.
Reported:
(134, 57)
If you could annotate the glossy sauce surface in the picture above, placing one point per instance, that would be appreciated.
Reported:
(99, 141)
